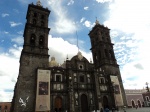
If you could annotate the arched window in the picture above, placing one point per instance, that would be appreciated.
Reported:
(139, 103)
(100, 54)
(35, 14)
(32, 39)
(34, 21)
(101, 79)
(108, 39)
(5, 107)
(41, 42)
(103, 38)
(81, 78)
(110, 54)
(95, 56)
(42, 23)
(133, 103)
(106, 53)
(42, 17)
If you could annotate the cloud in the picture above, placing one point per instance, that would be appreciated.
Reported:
(74, 41)
(56, 46)
(130, 32)
(135, 72)
(13, 24)
(5, 14)
(103, 1)
(5, 32)
(82, 19)
(15, 51)
(25, 1)
(70, 2)
(63, 22)
(86, 8)
(59, 48)
(131, 19)
(138, 66)
(20, 32)
(11, 64)
(88, 24)
(5, 96)
(18, 40)
(9, 68)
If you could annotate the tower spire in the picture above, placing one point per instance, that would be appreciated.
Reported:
(77, 41)
(97, 22)
(38, 3)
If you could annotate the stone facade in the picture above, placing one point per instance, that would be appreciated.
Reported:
(77, 85)
(33, 56)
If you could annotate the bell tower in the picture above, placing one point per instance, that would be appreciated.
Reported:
(34, 55)
(102, 48)
(104, 59)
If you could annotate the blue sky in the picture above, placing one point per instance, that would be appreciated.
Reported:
(129, 21)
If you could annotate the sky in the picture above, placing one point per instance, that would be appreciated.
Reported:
(128, 21)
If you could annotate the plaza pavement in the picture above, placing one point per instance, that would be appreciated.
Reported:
(144, 109)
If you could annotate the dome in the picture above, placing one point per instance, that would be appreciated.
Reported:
(53, 63)
(80, 55)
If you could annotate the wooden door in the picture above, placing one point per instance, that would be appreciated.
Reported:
(84, 103)
(58, 104)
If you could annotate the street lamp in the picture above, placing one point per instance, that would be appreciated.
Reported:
(147, 88)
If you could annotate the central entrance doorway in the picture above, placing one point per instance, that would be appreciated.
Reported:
(58, 104)
(105, 102)
(84, 103)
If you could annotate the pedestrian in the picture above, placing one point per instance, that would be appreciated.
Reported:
(113, 109)
(101, 110)
(124, 108)
(106, 109)
(136, 106)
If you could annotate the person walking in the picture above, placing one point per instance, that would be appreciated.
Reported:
(101, 110)
(106, 110)
(136, 106)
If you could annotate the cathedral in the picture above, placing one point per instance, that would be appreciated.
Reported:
(75, 86)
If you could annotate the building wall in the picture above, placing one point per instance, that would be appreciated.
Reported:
(134, 97)
(5, 106)
(146, 97)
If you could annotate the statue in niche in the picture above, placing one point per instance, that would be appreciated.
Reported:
(76, 95)
(91, 101)
(76, 102)
(75, 79)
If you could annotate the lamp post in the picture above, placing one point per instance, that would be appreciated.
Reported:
(147, 88)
